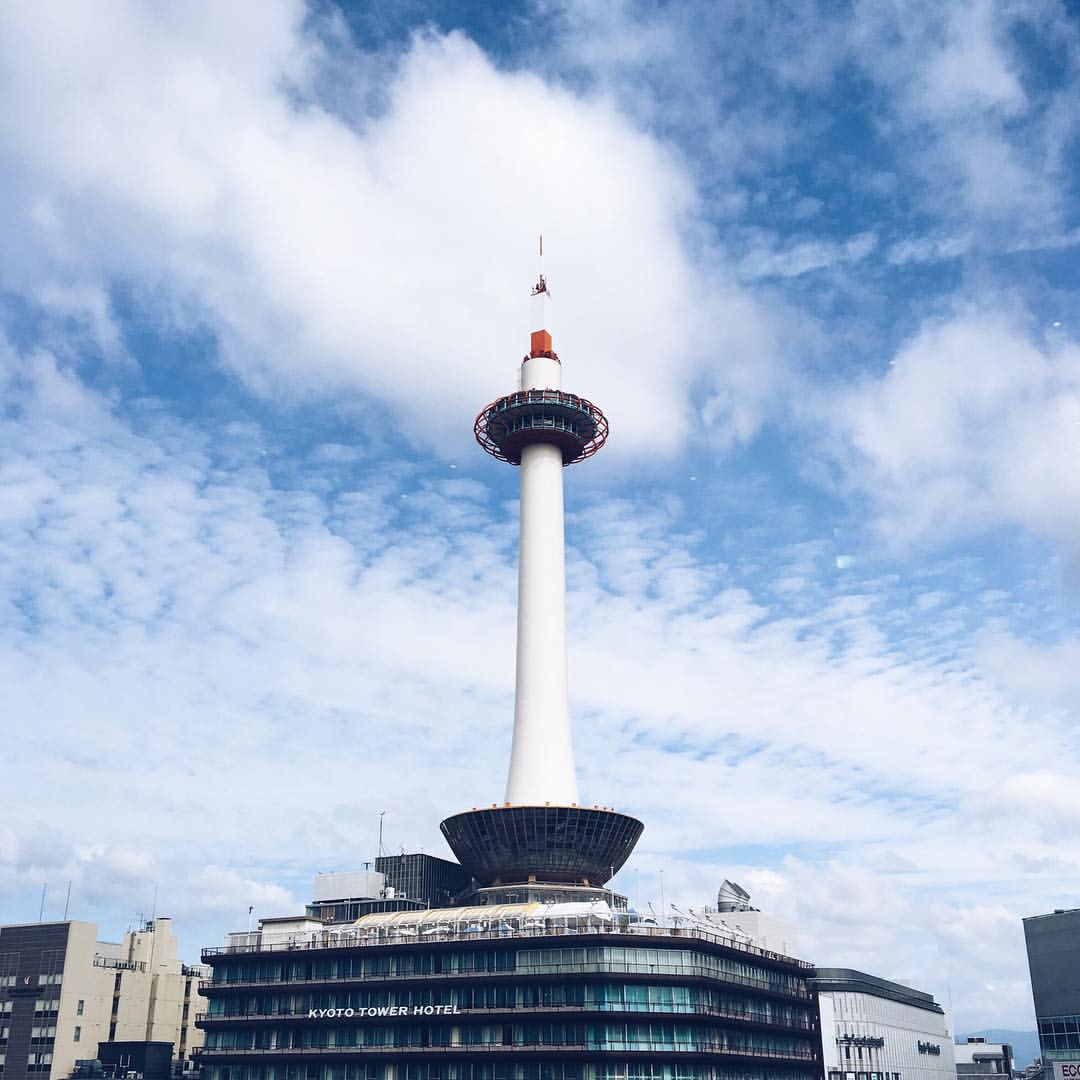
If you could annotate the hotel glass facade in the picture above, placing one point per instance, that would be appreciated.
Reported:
(622, 1003)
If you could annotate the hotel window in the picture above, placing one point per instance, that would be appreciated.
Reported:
(78, 1034)
(79, 1007)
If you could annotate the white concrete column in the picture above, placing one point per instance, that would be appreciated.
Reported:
(542, 757)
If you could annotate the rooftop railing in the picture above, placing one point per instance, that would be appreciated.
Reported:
(354, 937)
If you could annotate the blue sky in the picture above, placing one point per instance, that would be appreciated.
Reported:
(263, 263)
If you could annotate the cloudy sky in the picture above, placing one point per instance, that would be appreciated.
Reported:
(261, 264)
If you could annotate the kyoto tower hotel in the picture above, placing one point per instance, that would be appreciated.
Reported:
(516, 961)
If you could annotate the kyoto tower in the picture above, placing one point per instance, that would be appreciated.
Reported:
(540, 834)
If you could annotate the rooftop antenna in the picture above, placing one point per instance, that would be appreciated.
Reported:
(153, 912)
(67, 901)
(41, 910)
(382, 814)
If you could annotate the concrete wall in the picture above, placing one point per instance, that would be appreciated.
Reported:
(85, 1001)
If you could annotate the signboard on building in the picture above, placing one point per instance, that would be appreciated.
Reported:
(1067, 1070)
(385, 1010)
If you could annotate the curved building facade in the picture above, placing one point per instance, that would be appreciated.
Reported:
(591, 999)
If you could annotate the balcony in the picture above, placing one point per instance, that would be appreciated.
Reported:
(484, 1012)
(118, 965)
(383, 1049)
(561, 969)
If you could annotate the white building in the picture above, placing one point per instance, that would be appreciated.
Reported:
(873, 1029)
(979, 1058)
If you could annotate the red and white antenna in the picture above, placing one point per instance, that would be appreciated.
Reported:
(540, 343)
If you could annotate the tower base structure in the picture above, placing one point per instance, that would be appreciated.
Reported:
(574, 845)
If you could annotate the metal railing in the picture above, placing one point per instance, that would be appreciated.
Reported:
(118, 965)
(698, 1047)
(351, 938)
(559, 968)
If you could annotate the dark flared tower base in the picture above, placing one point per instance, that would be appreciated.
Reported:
(507, 845)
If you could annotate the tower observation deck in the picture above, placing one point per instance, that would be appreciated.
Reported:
(540, 833)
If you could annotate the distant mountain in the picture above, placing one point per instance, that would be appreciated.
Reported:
(1025, 1044)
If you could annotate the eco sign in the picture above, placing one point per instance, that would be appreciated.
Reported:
(1067, 1070)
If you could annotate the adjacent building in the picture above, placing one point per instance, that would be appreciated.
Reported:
(874, 1029)
(977, 1058)
(1053, 949)
(62, 992)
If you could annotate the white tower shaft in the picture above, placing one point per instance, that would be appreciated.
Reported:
(542, 756)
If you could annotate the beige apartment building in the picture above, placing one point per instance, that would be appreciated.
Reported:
(62, 992)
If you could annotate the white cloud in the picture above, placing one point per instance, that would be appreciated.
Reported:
(952, 93)
(955, 95)
(801, 257)
(391, 256)
(976, 423)
(1047, 797)
(1032, 671)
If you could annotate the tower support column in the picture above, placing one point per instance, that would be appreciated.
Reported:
(542, 758)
